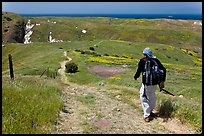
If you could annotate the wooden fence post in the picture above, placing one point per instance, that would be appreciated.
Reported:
(56, 72)
(11, 67)
(47, 71)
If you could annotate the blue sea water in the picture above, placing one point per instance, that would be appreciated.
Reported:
(135, 16)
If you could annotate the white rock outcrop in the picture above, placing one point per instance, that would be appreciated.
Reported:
(52, 40)
(197, 23)
(28, 32)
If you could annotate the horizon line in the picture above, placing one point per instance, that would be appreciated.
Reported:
(116, 13)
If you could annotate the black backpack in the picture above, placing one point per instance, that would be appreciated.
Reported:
(152, 74)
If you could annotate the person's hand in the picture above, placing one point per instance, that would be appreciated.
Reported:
(161, 85)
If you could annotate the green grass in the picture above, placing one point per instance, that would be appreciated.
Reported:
(88, 127)
(29, 105)
(87, 100)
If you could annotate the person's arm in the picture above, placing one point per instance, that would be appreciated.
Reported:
(161, 85)
(139, 70)
(162, 68)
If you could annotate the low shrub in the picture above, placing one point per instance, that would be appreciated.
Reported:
(8, 18)
(92, 48)
(71, 67)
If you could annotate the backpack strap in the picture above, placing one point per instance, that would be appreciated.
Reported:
(147, 69)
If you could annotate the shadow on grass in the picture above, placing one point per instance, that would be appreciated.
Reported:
(165, 110)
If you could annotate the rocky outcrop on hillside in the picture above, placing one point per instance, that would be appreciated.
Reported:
(13, 28)
(28, 32)
(18, 33)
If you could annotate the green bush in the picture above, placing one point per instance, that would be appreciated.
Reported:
(71, 67)
(92, 48)
(8, 18)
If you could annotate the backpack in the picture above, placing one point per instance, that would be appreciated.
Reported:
(152, 74)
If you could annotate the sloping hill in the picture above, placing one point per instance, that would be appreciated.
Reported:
(12, 28)
(97, 101)
(174, 32)
(181, 33)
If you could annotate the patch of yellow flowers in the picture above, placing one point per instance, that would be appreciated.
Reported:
(115, 78)
(189, 52)
(196, 73)
(198, 61)
(121, 41)
(137, 21)
(110, 60)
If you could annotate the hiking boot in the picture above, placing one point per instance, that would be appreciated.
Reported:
(153, 115)
(147, 119)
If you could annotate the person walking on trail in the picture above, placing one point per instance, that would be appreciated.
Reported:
(153, 74)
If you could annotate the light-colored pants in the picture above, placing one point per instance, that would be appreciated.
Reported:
(148, 98)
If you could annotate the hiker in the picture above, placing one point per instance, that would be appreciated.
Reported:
(149, 82)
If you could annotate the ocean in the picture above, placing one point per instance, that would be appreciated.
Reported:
(135, 16)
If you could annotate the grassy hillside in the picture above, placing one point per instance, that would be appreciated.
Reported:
(117, 43)
(30, 105)
(172, 32)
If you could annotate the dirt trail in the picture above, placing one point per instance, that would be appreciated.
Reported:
(61, 71)
(90, 109)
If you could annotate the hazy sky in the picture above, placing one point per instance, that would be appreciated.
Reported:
(103, 7)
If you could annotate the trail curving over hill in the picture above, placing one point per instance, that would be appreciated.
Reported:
(61, 71)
